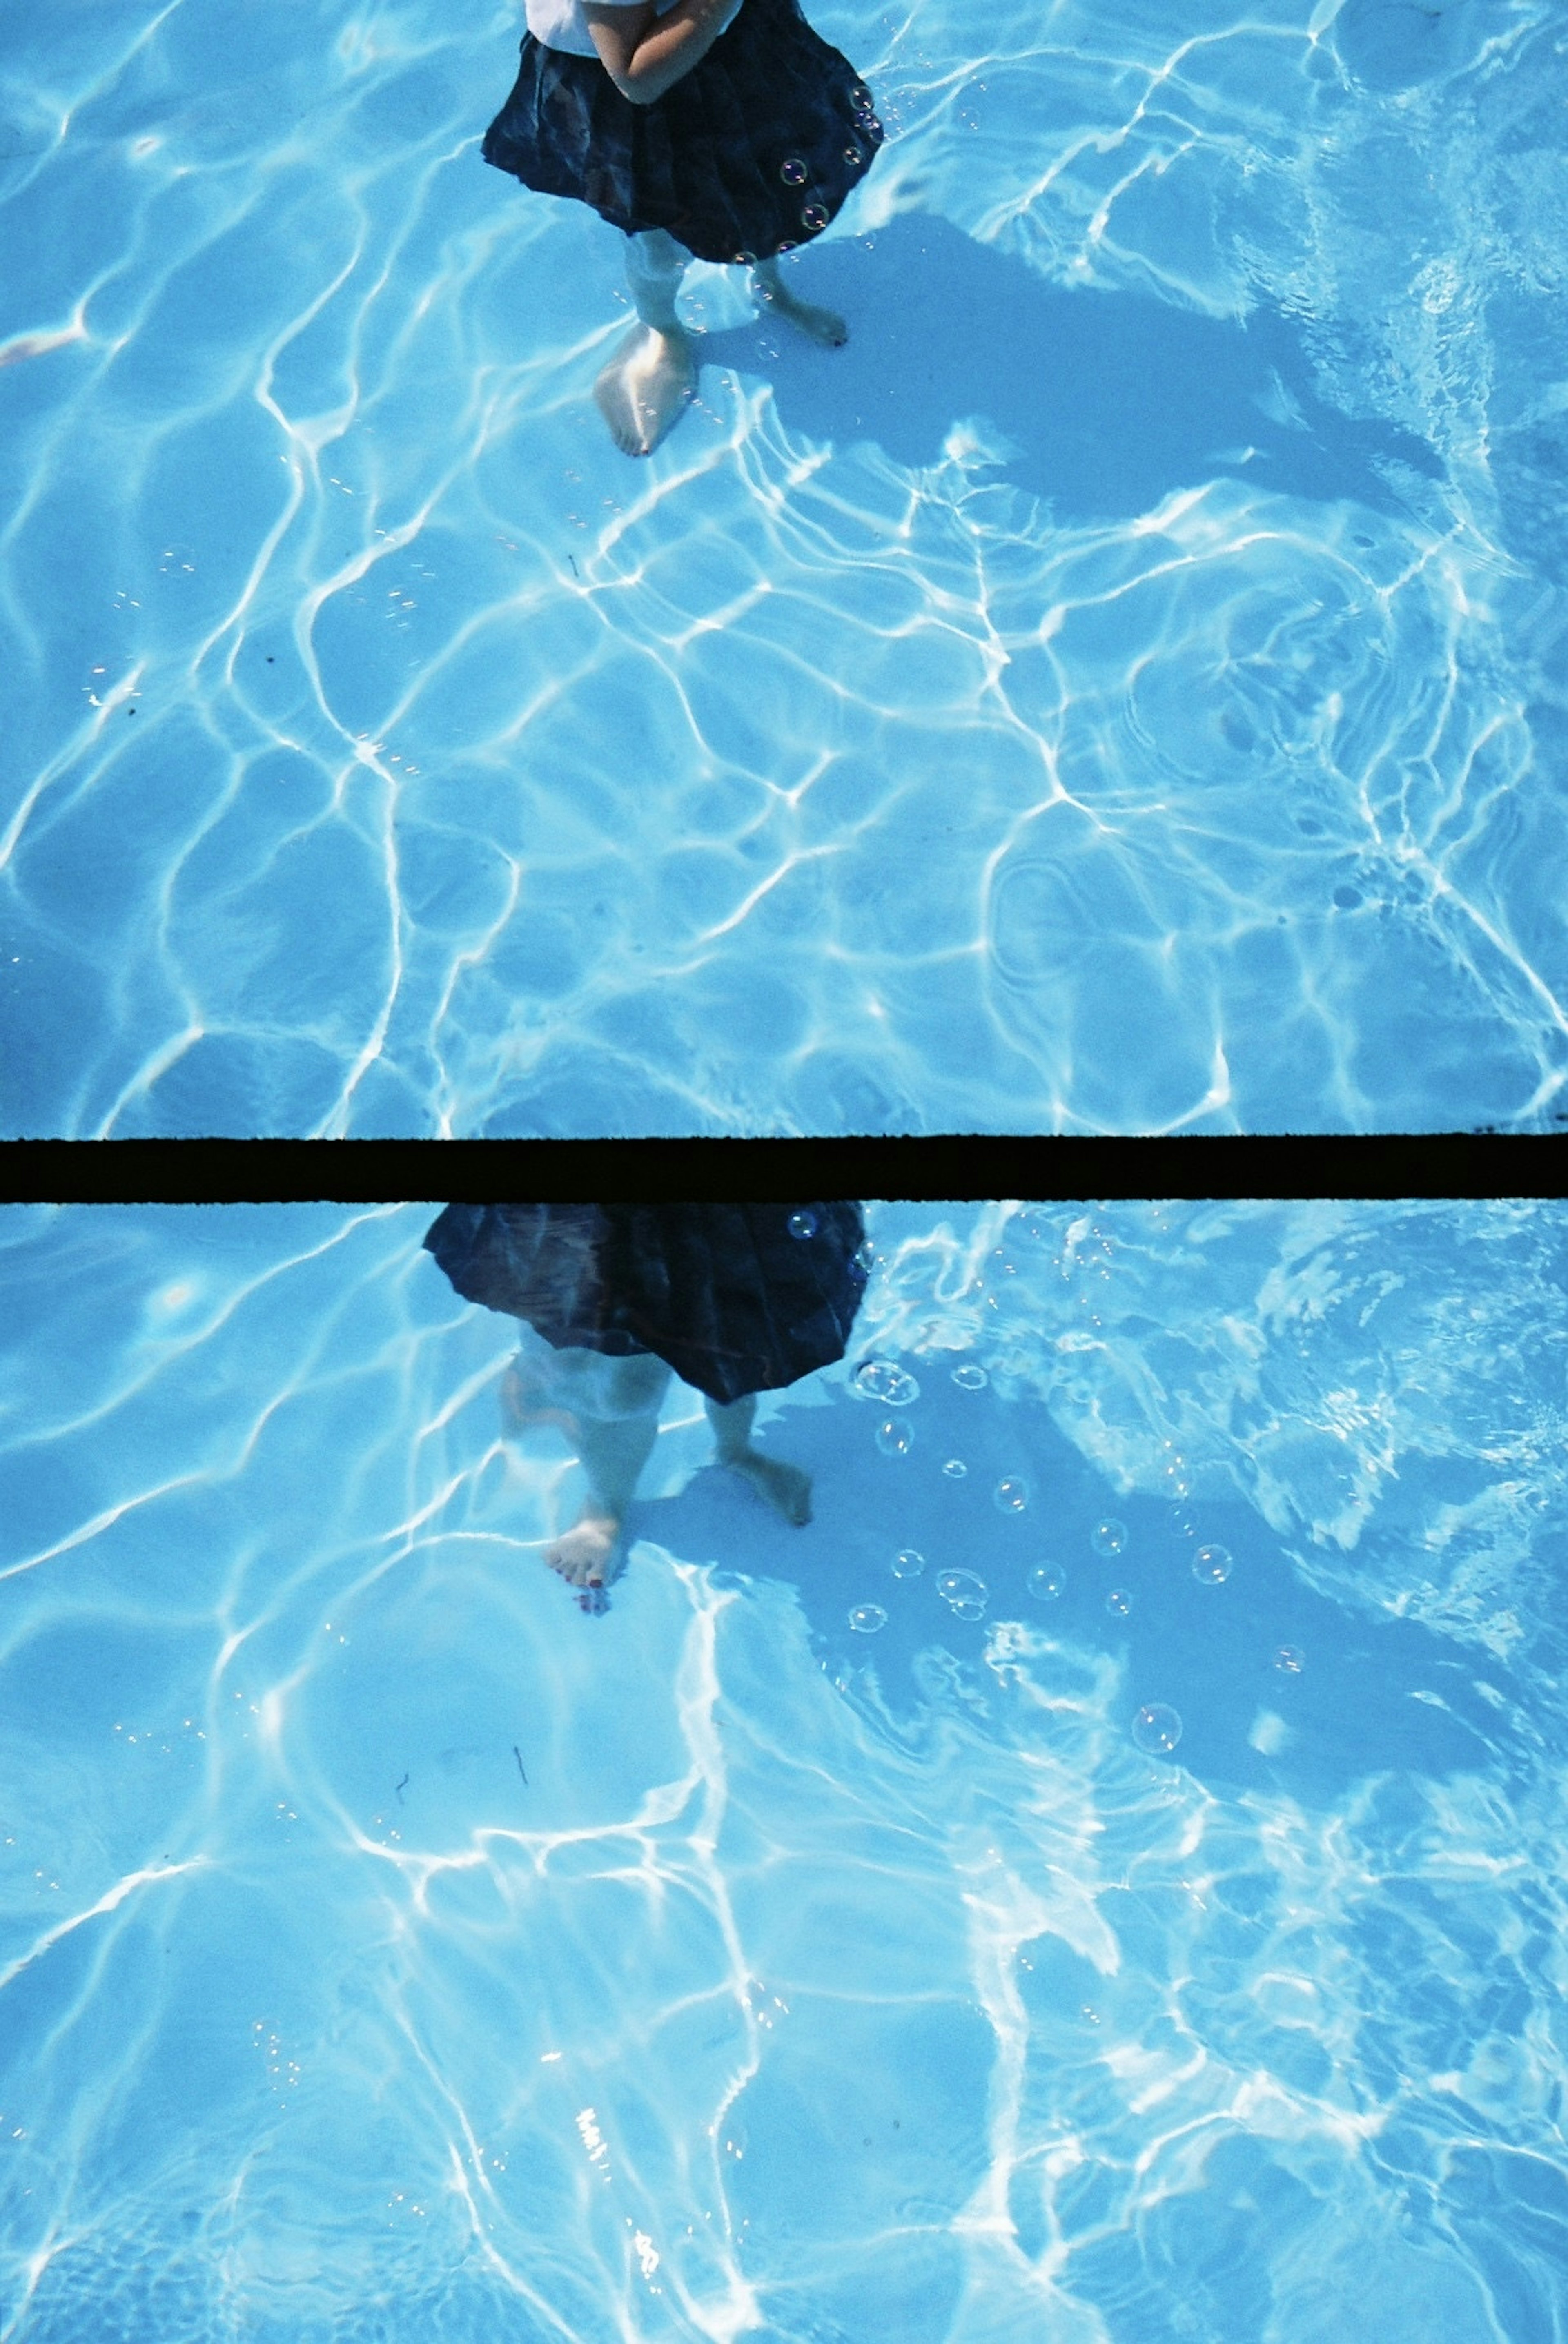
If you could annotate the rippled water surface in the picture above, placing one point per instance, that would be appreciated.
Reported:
(1122, 690)
(861, 1932)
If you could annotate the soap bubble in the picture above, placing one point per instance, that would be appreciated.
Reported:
(1175, 1474)
(894, 1436)
(815, 217)
(865, 1256)
(785, 244)
(970, 1379)
(1157, 1729)
(1046, 1582)
(1010, 1496)
(880, 1379)
(964, 1594)
(1120, 1601)
(803, 1225)
(1109, 1538)
(908, 1562)
(1183, 1521)
(1211, 1565)
(793, 172)
(852, 156)
(866, 1619)
(955, 1468)
(1289, 1660)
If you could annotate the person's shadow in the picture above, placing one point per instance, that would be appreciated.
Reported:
(1110, 401)
(1375, 1696)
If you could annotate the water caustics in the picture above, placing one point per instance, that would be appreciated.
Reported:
(809, 1947)
(1121, 691)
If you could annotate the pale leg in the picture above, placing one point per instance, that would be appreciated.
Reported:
(613, 1439)
(784, 1487)
(825, 326)
(653, 373)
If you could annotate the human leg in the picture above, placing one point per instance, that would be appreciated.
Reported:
(590, 1554)
(784, 1487)
(655, 264)
(653, 373)
(609, 1410)
(825, 326)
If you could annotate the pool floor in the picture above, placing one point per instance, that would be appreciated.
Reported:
(1136, 1916)
(1121, 692)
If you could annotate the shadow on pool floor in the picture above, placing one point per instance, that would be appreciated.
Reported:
(1376, 1694)
(1111, 401)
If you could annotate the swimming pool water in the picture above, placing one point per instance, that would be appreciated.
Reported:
(391, 1951)
(1121, 692)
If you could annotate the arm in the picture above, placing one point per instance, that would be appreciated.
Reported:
(645, 53)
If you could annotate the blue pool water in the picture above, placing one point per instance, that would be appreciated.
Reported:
(1123, 692)
(391, 1952)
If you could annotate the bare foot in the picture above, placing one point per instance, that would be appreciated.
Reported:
(783, 1487)
(818, 325)
(590, 1553)
(643, 389)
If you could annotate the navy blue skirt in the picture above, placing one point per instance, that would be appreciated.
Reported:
(736, 1298)
(751, 154)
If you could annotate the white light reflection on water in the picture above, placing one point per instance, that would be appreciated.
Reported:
(1119, 691)
(390, 1951)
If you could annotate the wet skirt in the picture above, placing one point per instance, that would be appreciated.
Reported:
(736, 1298)
(751, 154)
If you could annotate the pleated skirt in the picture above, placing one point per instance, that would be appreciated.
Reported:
(751, 154)
(736, 1298)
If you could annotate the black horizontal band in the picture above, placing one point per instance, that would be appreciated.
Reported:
(955, 1167)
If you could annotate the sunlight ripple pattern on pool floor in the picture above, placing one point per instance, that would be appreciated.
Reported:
(1118, 692)
(389, 1952)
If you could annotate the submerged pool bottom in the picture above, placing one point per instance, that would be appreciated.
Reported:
(1100, 1880)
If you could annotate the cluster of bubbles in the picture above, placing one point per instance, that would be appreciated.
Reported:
(1156, 1728)
(814, 216)
(963, 1593)
(802, 1223)
(1175, 1478)
(893, 1387)
(882, 1379)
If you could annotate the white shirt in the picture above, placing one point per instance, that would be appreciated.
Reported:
(562, 25)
